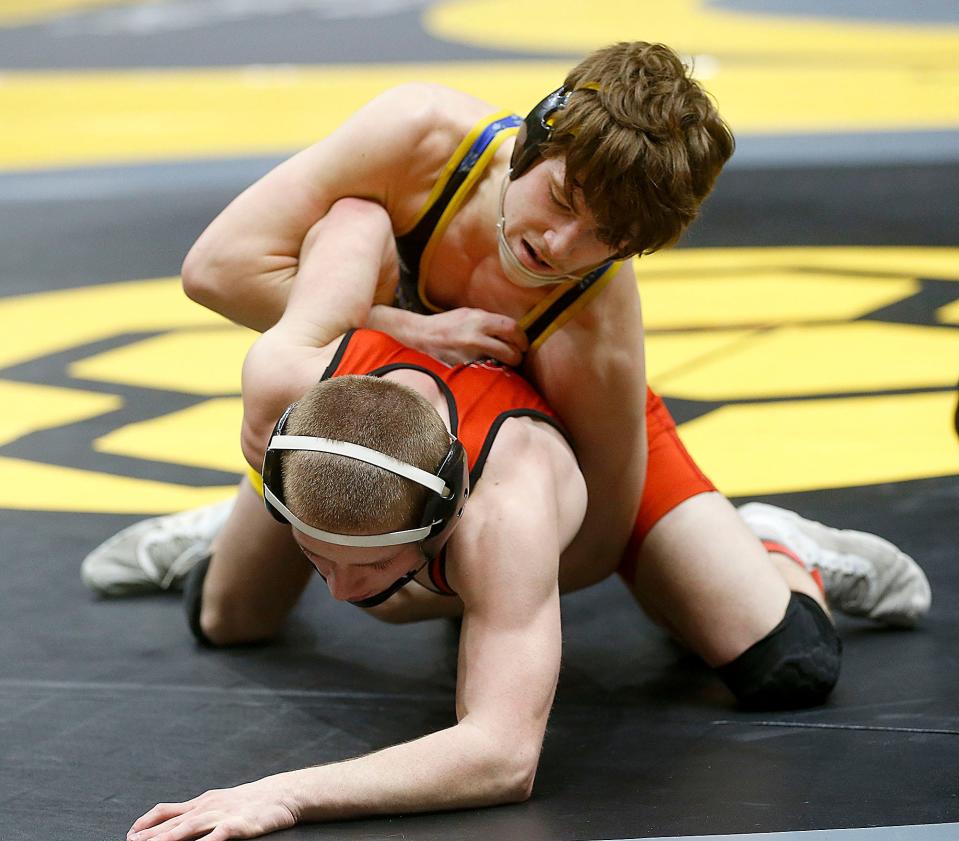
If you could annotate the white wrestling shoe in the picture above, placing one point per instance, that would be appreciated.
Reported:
(863, 574)
(154, 554)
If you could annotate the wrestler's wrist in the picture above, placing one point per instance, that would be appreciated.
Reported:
(398, 323)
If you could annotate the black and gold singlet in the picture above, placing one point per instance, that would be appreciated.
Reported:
(416, 246)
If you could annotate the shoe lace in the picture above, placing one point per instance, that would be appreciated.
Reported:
(847, 578)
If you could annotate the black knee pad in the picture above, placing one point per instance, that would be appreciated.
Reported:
(795, 665)
(955, 418)
(193, 599)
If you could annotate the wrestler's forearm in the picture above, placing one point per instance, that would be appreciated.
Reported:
(611, 446)
(614, 491)
(258, 306)
(460, 767)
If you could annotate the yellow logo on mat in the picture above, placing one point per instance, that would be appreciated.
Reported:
(802, 368)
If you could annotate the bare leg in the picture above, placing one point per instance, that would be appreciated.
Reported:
(703, 575)
(256, 575)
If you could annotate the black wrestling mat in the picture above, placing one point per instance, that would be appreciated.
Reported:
(104, 704)
(107, 707)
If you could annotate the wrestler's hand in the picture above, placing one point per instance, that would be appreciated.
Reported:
(468, 334)
(246, 811)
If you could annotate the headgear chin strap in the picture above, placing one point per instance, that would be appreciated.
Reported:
(448, 484)
(383, 595)
(511, 265)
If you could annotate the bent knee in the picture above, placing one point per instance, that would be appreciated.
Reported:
(219, 628)
(214, 621)
(796, 665)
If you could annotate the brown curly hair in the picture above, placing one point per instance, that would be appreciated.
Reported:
(642, 140)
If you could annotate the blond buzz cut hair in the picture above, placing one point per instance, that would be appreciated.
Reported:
(347, 496)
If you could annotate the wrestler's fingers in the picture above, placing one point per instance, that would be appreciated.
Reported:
(159, 813)
(196, 825)
(508, 330)
(501, 351)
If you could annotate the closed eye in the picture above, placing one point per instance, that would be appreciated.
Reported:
(380, 565)
(559, 201)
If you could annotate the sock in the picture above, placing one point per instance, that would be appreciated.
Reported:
(778, 548)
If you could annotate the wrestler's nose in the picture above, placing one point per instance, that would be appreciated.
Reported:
(562, 236)
(346, 585)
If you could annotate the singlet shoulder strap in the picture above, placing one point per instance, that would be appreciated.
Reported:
(436, 569)
(553, 311)
(455, 182)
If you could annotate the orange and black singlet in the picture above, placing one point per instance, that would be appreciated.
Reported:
(459, 176)
(480, 398)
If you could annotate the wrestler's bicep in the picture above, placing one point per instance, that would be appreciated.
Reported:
(505, 567)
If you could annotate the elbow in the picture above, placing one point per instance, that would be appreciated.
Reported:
(503, 763)
(252, 445)
(518, 786)
(200, 277)
(517, 774)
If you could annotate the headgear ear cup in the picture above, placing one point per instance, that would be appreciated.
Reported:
(537, 128)
(535, 131)
(446, 511)
(272, 470)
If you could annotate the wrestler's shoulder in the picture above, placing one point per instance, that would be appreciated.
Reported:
(429, 114)
(615, 310)
(528, 459)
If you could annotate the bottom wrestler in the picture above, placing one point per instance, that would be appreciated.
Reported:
(366, 477)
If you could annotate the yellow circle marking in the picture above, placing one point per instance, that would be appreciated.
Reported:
(770, 74)
(24, 12)
(783, 361)
(695, 28)
(191, 362)
(79, 118)
(31, 407)
(47, 322)
(205, 435)
(35, 486)
(800, 446)
(813, 347)
(949, 313)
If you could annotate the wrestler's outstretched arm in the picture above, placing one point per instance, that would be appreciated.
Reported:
(504, 561)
